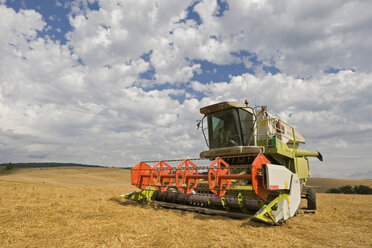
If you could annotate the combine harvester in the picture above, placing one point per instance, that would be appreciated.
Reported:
(253, 164)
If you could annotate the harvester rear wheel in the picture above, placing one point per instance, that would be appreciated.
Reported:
(311, 199)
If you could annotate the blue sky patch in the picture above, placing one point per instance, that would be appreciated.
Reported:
(192, 15)
(185, 87)
(255, 62)
(333, 70)
(223, 5)
(270, 69)
(219, 73)
(150, 73)
(55, 15)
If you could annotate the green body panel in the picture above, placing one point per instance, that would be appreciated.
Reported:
(244, 187)
(274, 146)
(224, 203)
(145, 195)
(241, 204)
(295, 158)
(302, 167)
(265, 215)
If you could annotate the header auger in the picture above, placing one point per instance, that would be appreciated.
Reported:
(253, 164)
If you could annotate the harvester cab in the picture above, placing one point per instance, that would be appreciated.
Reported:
(253, 164)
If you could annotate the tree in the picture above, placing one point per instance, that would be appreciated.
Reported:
(9, 166)
(363, 190)
(334, 191)
(347, 189)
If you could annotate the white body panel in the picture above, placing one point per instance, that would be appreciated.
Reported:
(278, 177)
(294, 195)
(281, 213)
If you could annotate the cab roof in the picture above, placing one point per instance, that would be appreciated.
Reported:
(221, 106)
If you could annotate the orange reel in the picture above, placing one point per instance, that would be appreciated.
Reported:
(183, 173)
(162, 175)
(140, 176)
(214, 179)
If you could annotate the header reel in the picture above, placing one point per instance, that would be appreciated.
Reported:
(239, 189)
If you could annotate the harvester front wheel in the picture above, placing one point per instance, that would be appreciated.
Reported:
(311, 199)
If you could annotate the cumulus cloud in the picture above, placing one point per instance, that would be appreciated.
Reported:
(55, 108)
(303, 38)
(330, 111)
(87, 101)
(299, 39)
(123, 31)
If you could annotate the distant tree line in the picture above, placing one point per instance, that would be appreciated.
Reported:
(9, 166)
(348, 189)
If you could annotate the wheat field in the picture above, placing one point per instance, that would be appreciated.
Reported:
(80, 207)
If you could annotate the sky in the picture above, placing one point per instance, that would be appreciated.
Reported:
(116, 82)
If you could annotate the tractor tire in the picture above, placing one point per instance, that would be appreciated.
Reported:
(311, 199)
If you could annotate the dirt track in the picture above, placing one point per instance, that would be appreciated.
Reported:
(79, 207)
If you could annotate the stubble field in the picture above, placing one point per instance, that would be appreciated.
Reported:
(80, 207)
